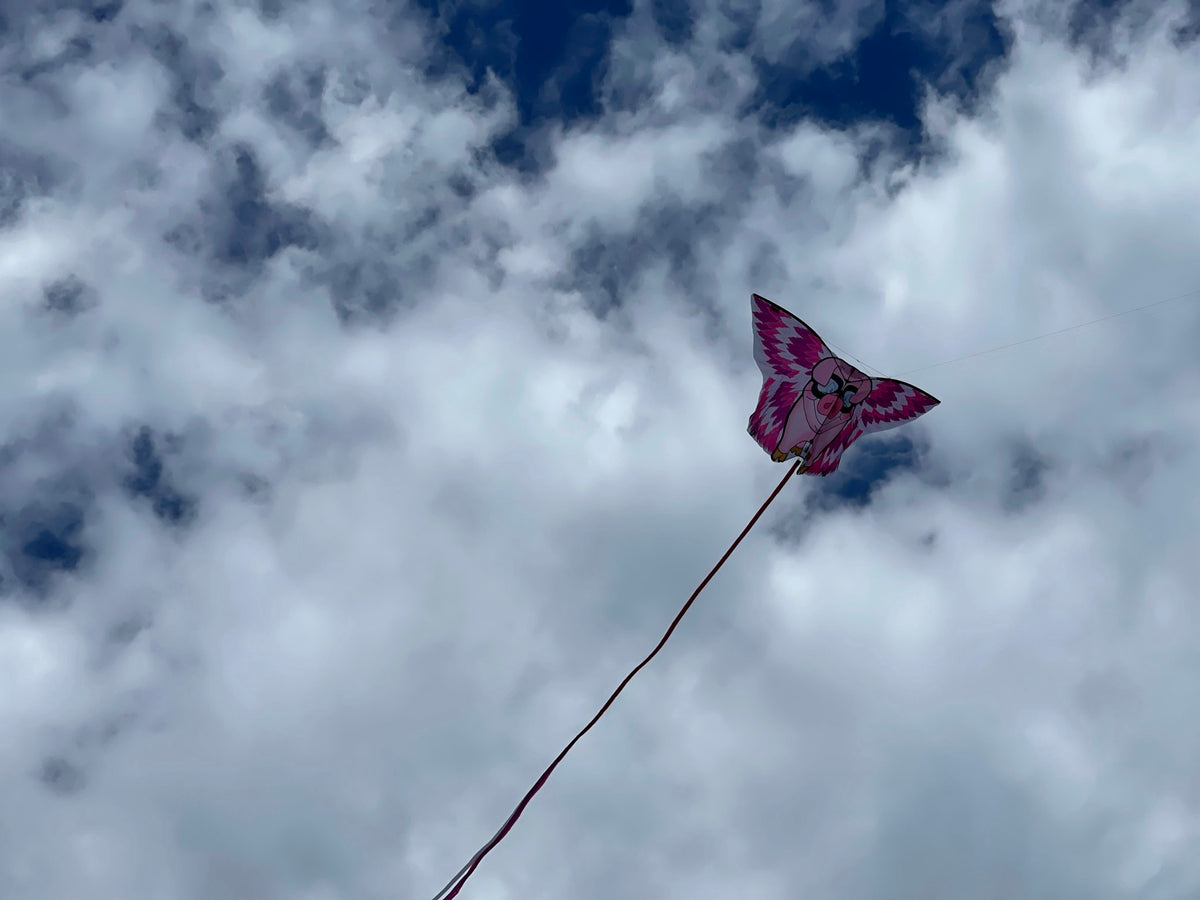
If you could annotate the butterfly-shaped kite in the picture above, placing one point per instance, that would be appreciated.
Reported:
(814, 405)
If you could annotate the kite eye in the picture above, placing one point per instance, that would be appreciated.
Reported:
(848, 399)
(832, 386)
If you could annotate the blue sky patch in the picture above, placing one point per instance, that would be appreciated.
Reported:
(148, 480)
(882, 78)
(554, 58)
(44, 540)
(873, 461)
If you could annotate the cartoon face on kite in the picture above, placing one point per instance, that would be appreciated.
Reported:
(813, 404)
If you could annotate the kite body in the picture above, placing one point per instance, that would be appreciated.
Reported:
(813, 404)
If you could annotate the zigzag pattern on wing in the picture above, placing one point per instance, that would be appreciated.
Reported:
(786, 350)
(893, 403)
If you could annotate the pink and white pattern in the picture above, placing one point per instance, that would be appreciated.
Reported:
(813, 404)
(893, 403)
(786, 350)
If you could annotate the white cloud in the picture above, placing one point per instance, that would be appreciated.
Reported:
(428, 543)
(815, 33)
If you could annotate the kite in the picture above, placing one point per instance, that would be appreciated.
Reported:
(813, 406)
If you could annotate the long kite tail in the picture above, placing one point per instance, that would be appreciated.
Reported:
(455, 884)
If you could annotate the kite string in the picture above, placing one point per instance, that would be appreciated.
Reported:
(1038, 337)
(1029, 340)
(455, 884)
(869, 369)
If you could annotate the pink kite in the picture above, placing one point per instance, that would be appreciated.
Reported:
(814, 405)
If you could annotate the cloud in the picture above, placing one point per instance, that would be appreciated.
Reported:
(348, 464)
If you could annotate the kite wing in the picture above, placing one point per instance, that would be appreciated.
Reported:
(889, 404)
(893, 403)
(786, 350)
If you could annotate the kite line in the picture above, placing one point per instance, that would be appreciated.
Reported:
(1041, 337)
(1029, 340)
(455, 884)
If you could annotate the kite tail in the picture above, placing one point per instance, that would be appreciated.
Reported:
(455, 884)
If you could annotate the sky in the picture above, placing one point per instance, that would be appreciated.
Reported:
(375, 385)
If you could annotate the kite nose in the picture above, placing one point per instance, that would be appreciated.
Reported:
(825, 404)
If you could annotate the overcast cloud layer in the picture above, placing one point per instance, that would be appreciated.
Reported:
(347, 466)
